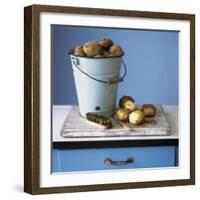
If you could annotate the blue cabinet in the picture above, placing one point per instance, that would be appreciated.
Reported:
(69, 160)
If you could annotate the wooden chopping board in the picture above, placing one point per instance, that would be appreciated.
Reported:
(77, 126)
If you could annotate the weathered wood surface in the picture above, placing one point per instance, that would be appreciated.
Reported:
(77, 126)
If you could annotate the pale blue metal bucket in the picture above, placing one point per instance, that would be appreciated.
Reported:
(96, 81)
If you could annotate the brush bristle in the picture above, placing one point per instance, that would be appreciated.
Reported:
(99, 119)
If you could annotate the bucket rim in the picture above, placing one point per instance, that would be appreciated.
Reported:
(70, 52)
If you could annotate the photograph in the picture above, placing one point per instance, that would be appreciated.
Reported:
(116, 84)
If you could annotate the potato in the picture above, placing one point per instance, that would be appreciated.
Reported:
(106, 43)
(149, 110)
(127, 103)
(122, 115)
(136, 117)
(92, 48)
(105, 54)
(116, 50)
(98, 56)
(130, 106)
(124, 99)
(78, 51)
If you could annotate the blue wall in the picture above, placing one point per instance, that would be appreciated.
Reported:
(151, 58)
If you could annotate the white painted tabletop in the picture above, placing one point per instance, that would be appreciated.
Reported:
(60, 112)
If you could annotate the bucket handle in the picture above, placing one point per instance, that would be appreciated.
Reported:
(76, 62)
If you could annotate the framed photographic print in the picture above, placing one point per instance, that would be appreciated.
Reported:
(109, 99)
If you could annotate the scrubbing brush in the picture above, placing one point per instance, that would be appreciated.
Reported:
(99, 120)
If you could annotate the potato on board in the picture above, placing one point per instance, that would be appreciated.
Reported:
(136, 117)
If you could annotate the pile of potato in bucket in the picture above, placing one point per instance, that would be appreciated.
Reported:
(103, 49)
(128, 111)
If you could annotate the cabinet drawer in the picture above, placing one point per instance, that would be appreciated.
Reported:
(67, 160)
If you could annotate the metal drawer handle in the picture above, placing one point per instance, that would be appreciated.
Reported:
(109, 161)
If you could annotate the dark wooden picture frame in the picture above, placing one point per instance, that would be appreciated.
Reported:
(32, 96)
